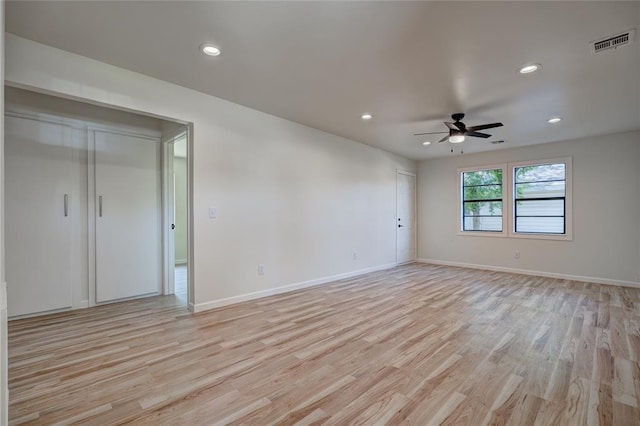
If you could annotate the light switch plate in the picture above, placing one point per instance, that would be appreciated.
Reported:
(212, 212)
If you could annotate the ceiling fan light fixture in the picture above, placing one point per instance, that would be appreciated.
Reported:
(456, 138)
(529, 68)
(426, 143)
(366, 116)
(210, 50)
(554, 120)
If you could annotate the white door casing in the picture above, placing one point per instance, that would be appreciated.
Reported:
(40, 189)
(127, 210)
(405, 217)
(168, 226)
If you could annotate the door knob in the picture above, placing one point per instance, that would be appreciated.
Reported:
(400, 226)
(173, 226)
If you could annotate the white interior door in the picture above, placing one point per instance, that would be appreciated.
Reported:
(405, 226)
(39, 182)
(128, 247)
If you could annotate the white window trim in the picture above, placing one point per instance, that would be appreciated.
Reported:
(505, 202)
(568, 235)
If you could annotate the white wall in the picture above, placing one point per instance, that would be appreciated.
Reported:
(295, 199)
(606, 202)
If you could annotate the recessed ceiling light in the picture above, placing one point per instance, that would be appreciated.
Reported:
(554, 120)
(366, 116)
(211, 50)
(529, 68)
(425, 143)
(456, 138)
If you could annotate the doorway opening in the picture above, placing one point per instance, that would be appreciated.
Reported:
(177, 211)
(405, 217)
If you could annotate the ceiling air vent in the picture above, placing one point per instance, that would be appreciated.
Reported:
(613, 42)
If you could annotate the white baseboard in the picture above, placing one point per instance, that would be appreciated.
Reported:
(41, 314)
(82, 304)
(199, 307)
(595, 280)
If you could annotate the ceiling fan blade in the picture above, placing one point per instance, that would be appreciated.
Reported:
(458, 126)
(485, 126)
(477, 134)
(429, 133)
(446, 138)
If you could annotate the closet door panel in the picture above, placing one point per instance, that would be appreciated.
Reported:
(39, 183)
(128, 245)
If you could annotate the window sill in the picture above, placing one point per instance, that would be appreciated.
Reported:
(556, 237)
(552, 237)
(482, 234)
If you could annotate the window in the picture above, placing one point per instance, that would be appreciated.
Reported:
(541, 197)
(482, 200)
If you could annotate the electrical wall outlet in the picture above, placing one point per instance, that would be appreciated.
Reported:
(261, 269)
(516, 254)
(355, 255)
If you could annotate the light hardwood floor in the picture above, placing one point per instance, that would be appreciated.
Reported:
(418, 344)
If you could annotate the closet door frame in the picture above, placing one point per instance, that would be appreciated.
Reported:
(92, 208)
(88, 129)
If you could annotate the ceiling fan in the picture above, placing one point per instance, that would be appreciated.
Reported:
(458, 130)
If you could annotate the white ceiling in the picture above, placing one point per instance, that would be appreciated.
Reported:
(410, 64)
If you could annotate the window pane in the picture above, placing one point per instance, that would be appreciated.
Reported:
(542, 172)
(540, 225)
(540, 208)
(483, 223)
(540, 189)
(478, 213)
(483, 192)
(534, 211)
(482, 177)
(481, 208)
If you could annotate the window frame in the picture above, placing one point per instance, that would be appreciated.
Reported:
(505, 201)
(568, 200)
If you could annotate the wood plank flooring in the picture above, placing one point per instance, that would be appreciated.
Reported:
(418, 344)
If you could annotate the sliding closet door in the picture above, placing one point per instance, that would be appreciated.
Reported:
(128, 246)
(39, 182)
